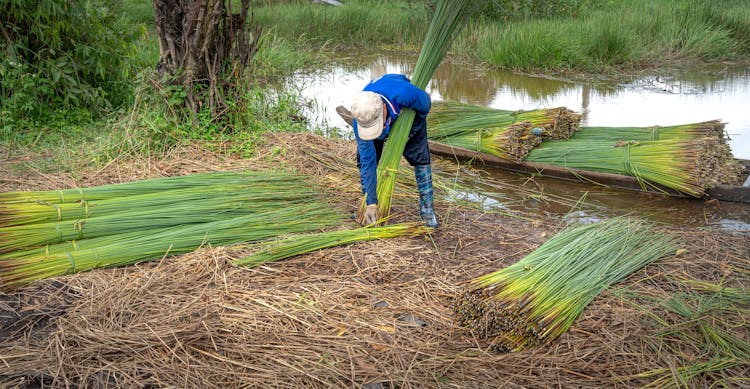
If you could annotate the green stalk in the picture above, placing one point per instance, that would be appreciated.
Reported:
(138, 187)
(303, 244)
(448, 19)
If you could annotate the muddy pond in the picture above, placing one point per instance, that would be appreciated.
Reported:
(717, 92)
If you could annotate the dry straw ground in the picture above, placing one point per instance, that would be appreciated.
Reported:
(369, 313)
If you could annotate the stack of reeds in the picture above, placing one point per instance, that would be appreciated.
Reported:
(707, 129)
(688, 158)
(448, 19)
(51, 233)
(506, 134)
(538, 298)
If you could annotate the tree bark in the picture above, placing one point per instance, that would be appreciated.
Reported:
(204, 48)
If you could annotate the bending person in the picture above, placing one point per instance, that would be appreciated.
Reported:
(374, 110)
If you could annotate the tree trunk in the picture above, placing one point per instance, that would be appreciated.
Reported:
(204, 48)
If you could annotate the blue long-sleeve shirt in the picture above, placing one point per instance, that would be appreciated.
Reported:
(397, 92)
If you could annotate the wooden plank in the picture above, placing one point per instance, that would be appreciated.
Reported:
(721, 192)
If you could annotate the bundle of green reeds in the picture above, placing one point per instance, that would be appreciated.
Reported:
(711, 129)
(150, 220)
(450, 117)
(447, 20)
(197, 210)
(303, 244)
(116, 250)
(538, 298)
(686, 166)
(153, 185)
(253, 193)
(512, 142)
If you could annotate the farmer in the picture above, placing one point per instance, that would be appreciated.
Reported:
(374, 111)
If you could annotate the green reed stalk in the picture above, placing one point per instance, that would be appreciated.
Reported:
(303, 244)
(448, 19)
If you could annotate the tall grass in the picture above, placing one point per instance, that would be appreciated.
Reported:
(620, 34)
(357, 25)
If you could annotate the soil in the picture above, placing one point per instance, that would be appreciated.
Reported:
(373, 314)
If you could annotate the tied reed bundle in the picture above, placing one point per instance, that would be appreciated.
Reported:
(690, 131)
(119, 250)
(450, 117)
(538, 298)
(303, 244)
(447, 20)
(255, 193)
(686, 166)
(153, 185)
(506, 134)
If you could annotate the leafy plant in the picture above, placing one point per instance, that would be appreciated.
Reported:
(59, 54)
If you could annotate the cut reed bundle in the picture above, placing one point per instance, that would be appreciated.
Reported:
(448, 118)
(686, 166)
(140, 187)
(156, 243)
(690, 131)
(19, 213)
(512, 142)
(538, 298)
(182, 213)
(447, 20)
(303, 244)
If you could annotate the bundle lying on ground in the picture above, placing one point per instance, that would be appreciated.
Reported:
(153, 185)
(152, 244)
(537, 299)
(448, 19)
(230, 208)
(686, 166)
(303, 244)
(252, 193)
(216, 206)
(506, 134)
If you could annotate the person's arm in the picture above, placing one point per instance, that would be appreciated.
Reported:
(416, 99)
(368, 168)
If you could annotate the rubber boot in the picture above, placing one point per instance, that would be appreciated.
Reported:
(423, 174)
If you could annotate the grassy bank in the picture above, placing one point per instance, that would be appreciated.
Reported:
(596, 36)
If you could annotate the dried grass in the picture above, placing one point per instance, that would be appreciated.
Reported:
(342, 317)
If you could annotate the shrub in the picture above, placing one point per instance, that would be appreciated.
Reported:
(60, 54)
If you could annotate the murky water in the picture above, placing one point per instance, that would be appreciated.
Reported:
(721, 92)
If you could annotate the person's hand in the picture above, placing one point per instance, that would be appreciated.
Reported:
(371, 214)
